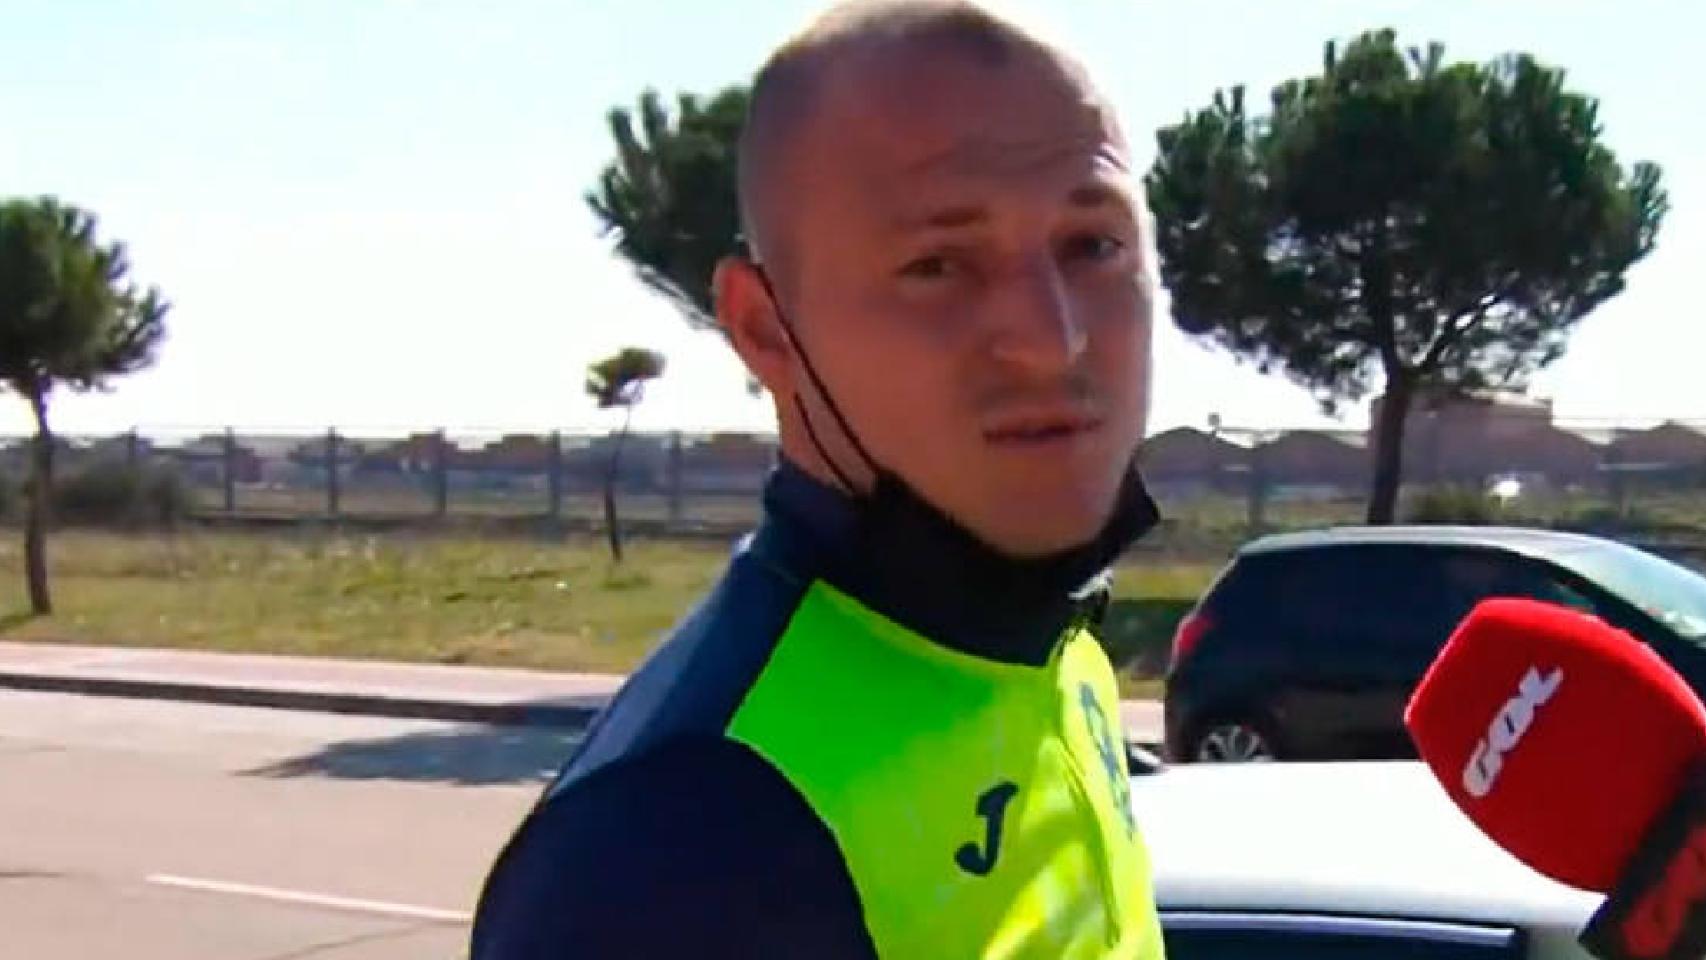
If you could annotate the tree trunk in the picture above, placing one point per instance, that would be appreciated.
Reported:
(1389, 449)
(612, 525)
(36, 511)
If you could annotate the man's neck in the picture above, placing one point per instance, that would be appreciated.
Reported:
(909, 562)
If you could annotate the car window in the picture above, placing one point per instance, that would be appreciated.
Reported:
(1249, 587)
(1668, 592)
(1471, 576)
(1264, 936)
(1378, 598)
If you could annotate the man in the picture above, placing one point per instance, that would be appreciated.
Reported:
(888, 731)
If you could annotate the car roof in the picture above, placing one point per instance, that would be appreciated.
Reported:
(1366, 838)
(1526, 540)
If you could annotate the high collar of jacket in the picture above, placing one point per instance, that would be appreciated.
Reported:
(906, 560)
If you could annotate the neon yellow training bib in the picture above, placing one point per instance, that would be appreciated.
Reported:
(981, 807)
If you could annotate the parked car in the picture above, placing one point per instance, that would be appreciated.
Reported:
(1345, 861)
(1308, 645)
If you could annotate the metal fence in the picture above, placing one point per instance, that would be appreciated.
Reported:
(679, 481)
(1512, 464)
(1219, 484)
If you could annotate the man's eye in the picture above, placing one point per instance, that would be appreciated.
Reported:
(934, 267)
(1092, 246)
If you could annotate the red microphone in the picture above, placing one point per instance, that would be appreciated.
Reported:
(1577, 749)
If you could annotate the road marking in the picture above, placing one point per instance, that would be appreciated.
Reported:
(378, 907)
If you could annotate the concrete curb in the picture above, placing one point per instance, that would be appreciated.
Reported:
(560, 714)
(544, 713)
(491, 696)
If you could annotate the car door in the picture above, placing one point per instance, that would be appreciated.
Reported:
(1367, 620)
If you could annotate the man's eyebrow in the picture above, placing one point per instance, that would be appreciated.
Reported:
(947, 218)
(1085, 196)
(1093, 195)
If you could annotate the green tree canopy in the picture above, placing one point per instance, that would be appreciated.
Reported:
(620, 381)
(69, 316)
(1438, 228)
(68, 313)
(669, 197)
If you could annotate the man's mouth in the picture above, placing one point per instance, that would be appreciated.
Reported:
(1044, 428)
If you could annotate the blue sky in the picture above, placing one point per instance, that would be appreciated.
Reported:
(368, 212)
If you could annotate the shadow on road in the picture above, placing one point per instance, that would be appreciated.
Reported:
(468, 756)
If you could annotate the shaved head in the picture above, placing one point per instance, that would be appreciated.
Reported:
(945, 204)
(794, 86)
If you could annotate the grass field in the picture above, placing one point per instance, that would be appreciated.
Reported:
(438, 599)
(392, 500)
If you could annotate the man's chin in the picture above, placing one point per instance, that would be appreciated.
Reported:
(1028, 534)
(1037, 517)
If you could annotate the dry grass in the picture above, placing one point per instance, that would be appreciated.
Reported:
(435, 599)
(402, 598)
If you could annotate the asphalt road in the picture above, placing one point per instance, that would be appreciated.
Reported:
(155, 830)
(159, 830)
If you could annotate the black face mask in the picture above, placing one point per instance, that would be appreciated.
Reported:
(914, 540)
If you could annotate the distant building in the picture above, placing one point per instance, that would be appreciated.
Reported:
(1316, 459)
(124, 448)
(643, 467)
(309, 456)
(1472, 439)
(204, 460)
(513, 453)
(15, 454)
(1672, 453)
(1668, 443)
(727, 463)
(1186, 461)
(415, 455)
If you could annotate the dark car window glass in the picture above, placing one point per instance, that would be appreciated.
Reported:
(1373, 596)
(1564, 595)
(1671, 594)
(1475, 575)
(1248, 588)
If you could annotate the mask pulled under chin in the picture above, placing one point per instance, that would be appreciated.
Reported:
(911, 538)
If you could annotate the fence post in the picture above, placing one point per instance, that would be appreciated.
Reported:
(332, 484)
(673, 478)
(228, 470)
(554, 475)
(1435, 471)
(1257, 520)
(1616, 480)
(441, 475)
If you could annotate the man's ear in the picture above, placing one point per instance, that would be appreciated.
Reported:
(748, 316)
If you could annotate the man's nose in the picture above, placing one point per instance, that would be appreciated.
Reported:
(1036, 327)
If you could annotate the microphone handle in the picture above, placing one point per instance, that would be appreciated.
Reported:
(1657, 911)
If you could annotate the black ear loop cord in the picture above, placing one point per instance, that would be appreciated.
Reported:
(822, 390)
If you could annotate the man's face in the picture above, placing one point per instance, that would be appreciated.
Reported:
(966, 274)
